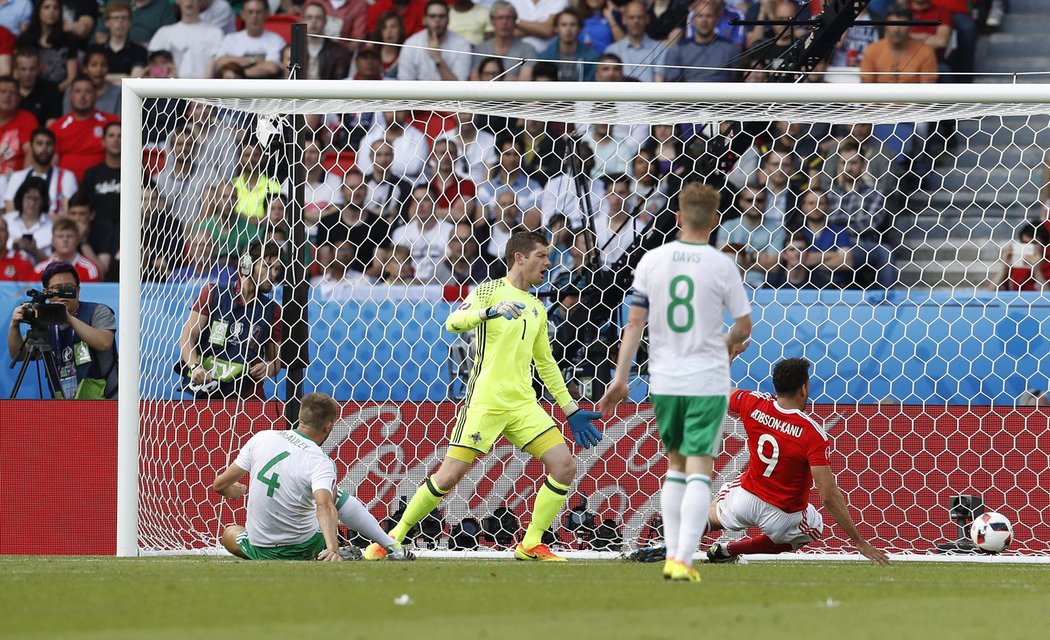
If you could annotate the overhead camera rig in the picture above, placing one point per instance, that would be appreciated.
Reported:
(827, 30)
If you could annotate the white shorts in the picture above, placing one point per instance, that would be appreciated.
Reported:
(739, 509)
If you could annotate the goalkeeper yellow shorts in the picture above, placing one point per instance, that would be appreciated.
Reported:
(478, 429)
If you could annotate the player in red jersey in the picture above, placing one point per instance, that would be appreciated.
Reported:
(788, 453)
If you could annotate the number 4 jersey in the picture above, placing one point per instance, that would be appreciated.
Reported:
(784, 444)
(686, 288)
(286, 468)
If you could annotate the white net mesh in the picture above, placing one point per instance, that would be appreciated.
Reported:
(883, 241)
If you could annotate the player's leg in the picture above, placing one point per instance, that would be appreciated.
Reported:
(671, 494)
(669, 416)
(355, 516)
(534, 434)
(702, 438)
(472, 435)
(455, 465)
(229, 540)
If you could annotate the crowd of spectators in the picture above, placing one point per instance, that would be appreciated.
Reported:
(429, 198)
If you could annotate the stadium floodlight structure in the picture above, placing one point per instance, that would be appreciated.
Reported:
(924, 375)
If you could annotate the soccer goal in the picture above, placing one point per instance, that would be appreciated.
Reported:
(917, 293)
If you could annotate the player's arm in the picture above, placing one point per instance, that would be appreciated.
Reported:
(476, 310)
(584, 433)
(835, 503)
(327, 518)
(226, 483)
(738, 336)
(637, 318)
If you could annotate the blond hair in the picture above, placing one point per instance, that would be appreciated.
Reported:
(317, 409)
(698, 204)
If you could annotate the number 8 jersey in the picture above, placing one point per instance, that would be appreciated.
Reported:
(686, 287)
(784, 444)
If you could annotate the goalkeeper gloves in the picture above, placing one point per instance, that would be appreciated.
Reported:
(507, 309)
(584, 432)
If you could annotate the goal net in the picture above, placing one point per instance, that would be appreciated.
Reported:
(892, 235)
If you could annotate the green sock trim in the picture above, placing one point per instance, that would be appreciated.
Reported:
(699, 478)
(674, 479)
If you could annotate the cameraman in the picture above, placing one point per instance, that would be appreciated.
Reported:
(83, 344)
(229, 343)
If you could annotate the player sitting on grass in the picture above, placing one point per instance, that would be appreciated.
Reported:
(292, 509)
(510, 327)
(788, 453)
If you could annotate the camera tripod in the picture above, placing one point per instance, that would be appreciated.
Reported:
(35, 346)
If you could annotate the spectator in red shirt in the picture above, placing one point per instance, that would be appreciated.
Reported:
(14, 265)
(16, 127)
(65, 247)
(411, 14)
(7, 50)
(79, 133)
(939, 37)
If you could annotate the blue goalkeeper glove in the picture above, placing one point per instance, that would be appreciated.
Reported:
(584, 432)
(507, 309)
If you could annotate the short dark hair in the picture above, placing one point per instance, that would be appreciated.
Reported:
(436, 3)
(42, 131)
(27, 51)
(95, 50)
(790, 375)
(79, 199)
(105, 129)
(524, 242)
(81, 77)
(35, 184)
(902, 11)
(56, 268)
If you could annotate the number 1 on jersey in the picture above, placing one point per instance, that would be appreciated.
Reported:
(271, 481)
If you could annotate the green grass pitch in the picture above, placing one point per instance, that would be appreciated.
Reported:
(203, 598)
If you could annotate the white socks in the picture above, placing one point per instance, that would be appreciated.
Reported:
(671, 508)
(354, 515)
(695, 504)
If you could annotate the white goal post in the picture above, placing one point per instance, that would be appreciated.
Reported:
(969, 421)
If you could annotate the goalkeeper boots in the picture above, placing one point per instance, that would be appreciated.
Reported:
(539, 553)
(684, 573)
(720, 553)
(376, 551)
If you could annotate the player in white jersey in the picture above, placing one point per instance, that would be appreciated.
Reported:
(292, 505)
(682, 290)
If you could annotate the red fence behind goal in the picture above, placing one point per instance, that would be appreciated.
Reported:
(898, 467)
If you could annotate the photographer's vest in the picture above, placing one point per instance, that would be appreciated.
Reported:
(234, 338)
(79, 365)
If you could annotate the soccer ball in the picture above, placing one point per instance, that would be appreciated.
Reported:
(991, 532)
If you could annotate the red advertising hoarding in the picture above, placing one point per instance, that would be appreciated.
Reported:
(898, 467)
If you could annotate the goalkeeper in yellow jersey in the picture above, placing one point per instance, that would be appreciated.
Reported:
(510, 326)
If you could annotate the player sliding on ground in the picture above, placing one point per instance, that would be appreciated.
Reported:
(788, 453)
(510, 328)
(681, 289)
(292, 505)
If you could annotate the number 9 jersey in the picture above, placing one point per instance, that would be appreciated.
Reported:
(687, 287)
(783, 444)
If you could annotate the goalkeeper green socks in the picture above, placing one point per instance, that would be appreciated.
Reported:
(549, 501)
(427, 497)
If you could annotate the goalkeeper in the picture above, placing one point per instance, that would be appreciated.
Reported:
(510, 326)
